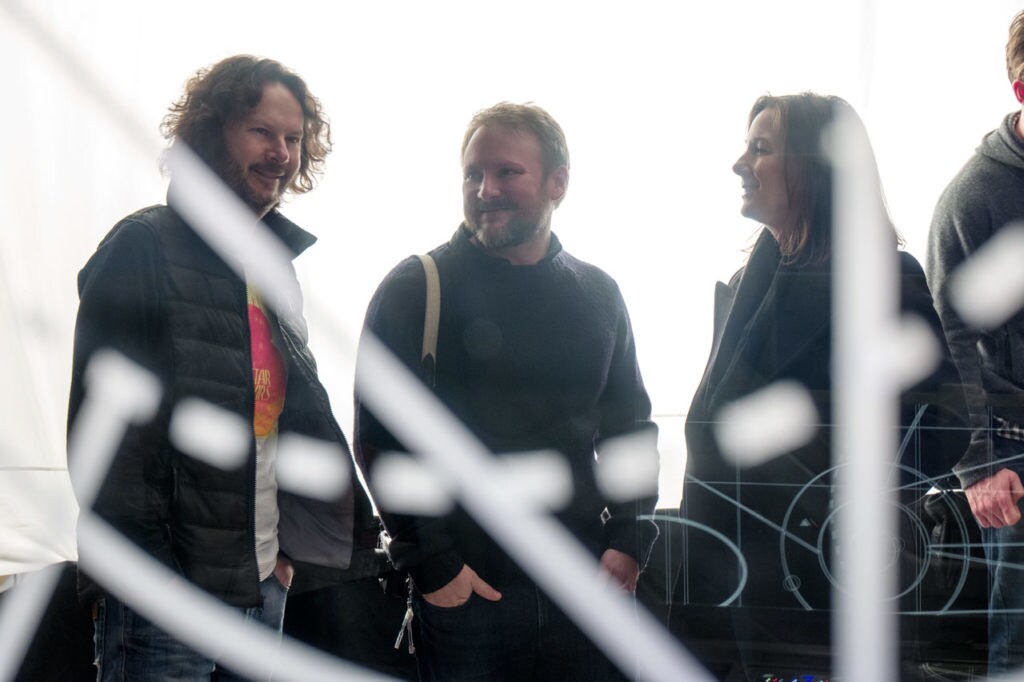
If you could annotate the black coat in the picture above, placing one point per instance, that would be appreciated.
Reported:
(157, 293)
(774, 322)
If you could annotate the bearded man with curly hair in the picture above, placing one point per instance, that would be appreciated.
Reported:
(157, 293)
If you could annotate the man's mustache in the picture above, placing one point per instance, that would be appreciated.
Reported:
(269, 169)
(496, 205)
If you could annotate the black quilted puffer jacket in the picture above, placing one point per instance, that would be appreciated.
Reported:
(158, 294)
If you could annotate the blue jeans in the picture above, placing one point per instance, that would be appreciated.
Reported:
(130, 648)
(523, 636)
(1004, 549)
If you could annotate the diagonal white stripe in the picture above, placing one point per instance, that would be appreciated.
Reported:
(549, 553)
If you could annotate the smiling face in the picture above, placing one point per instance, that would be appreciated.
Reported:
(264, 148)
(507, 197)
(762, 169)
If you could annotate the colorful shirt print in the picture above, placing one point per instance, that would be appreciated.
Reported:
(269, 374)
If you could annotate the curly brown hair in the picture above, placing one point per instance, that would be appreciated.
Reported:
(223, 93)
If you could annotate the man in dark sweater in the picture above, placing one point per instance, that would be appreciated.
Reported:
(985, 197)
(534, 351)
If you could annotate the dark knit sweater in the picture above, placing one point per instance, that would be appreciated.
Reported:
(984, 197)
(529, 357)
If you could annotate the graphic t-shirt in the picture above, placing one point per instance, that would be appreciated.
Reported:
(269, 373)
(269, 380)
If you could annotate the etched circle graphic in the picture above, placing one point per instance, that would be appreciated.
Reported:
(913, 553)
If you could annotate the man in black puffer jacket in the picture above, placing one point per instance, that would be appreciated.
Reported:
(155, 292)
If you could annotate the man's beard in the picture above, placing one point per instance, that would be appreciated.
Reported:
(513, 233)
(234, 177)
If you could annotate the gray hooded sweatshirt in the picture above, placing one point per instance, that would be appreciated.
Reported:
(985, 196)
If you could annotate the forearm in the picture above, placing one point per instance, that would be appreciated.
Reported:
(419, 544)
(630, 530)
(957, 233)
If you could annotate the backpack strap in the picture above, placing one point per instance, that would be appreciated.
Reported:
(431, 319)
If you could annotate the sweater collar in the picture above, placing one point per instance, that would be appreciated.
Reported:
(460, 242)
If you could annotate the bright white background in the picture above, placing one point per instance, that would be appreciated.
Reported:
(653, 97)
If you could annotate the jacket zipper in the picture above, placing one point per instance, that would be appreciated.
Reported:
(323, 402)
(252, 465)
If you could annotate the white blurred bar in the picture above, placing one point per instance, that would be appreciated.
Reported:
(864, 314)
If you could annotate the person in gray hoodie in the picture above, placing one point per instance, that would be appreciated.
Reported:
(986, 196)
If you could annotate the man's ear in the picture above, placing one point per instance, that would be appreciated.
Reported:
(559, 179)
(1018, 90)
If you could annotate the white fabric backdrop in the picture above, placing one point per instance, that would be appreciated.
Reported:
(653, 97)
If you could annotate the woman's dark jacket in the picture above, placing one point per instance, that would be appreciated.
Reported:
(155, 292)
(774, 322)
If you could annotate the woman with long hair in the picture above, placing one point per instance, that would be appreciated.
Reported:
(773, 322)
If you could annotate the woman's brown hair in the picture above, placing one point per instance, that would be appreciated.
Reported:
(803, 121)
